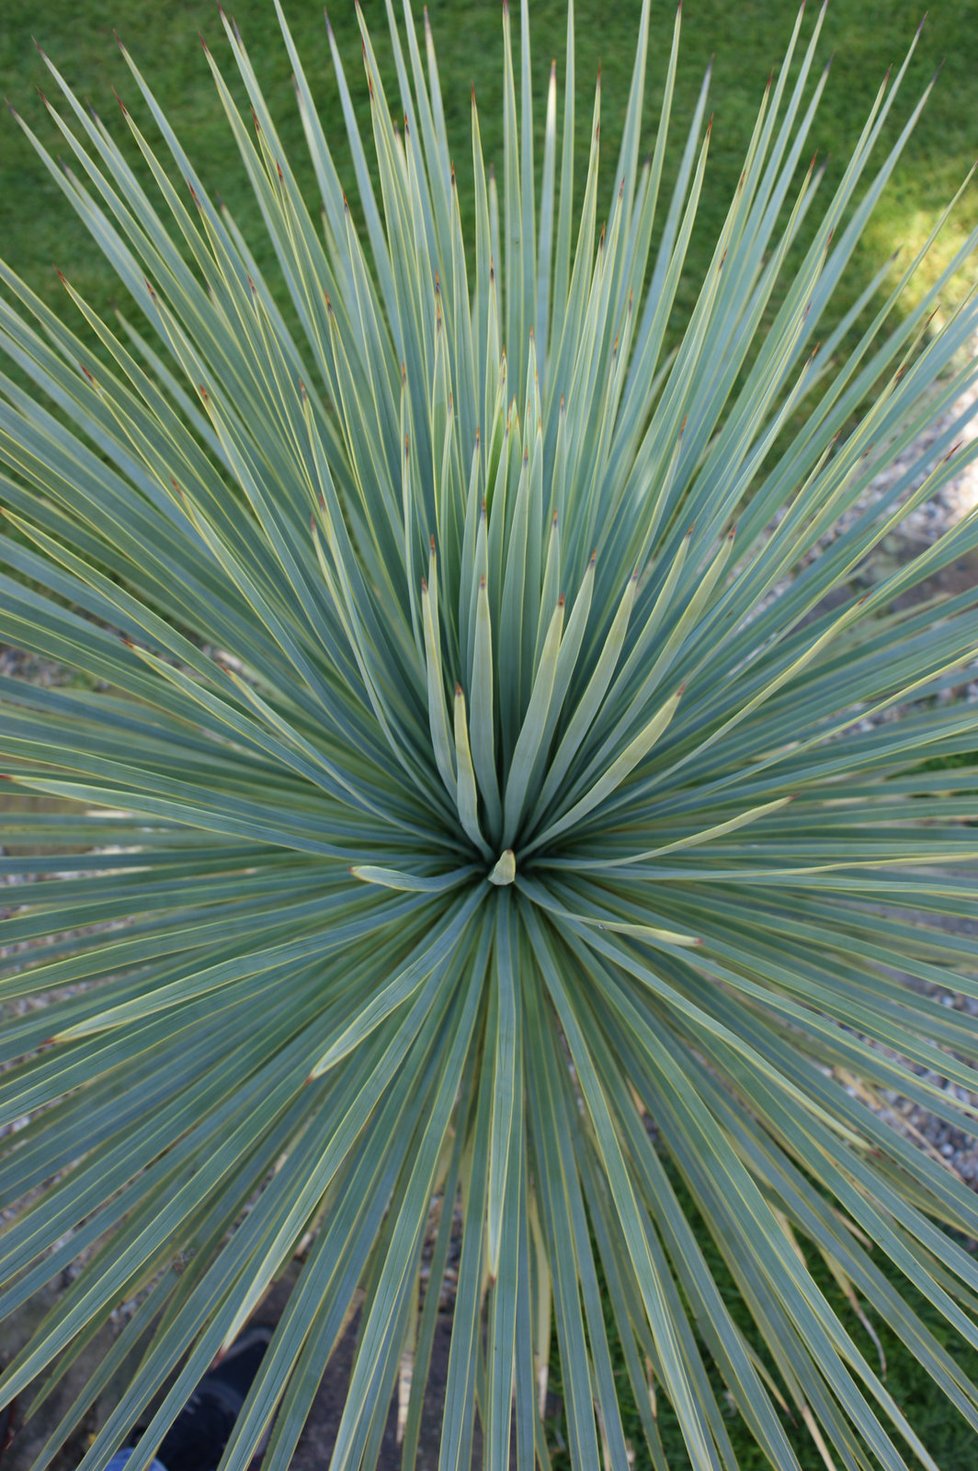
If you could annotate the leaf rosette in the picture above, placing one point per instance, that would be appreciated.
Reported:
(489, 801)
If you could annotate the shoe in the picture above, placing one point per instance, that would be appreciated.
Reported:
(196, 1439)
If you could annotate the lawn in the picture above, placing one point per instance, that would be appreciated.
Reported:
(38, 232)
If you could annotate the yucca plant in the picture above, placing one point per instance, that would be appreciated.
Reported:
(482, 833)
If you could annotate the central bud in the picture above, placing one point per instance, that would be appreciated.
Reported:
(504, 871)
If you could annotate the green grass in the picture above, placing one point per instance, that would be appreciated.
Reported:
(38, 231)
